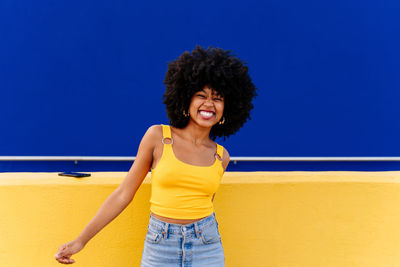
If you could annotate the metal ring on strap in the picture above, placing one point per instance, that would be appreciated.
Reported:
(172, 141)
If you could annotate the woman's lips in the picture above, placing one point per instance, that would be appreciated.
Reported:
(206, 114)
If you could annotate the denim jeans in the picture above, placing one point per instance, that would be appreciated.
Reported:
(196, 244)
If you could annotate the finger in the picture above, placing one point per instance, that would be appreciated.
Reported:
(63, 252)
(61, 260)
(66, 261)
(70, 261)
(59, 255)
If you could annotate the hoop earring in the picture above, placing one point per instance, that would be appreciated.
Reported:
(222, 122)
(186, 114)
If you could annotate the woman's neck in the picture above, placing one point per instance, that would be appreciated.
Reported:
(196, 134)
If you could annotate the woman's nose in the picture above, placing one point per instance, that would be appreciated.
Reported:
(209, 101)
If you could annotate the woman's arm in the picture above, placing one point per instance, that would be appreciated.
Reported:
(225, 159)
(118, 200)
(125, 192)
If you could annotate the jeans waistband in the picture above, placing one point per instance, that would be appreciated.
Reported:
(173, 228)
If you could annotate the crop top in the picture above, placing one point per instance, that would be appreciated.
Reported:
(180, 190)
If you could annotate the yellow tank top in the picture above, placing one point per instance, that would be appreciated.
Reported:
(180, 190)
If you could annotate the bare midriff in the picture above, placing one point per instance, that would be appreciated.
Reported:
(175, 221)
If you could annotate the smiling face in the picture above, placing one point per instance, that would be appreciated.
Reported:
(206, 107)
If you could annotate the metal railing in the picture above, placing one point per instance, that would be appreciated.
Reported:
(114, 158)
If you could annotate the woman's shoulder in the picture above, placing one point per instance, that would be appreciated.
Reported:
(154, 129)
(154, 133)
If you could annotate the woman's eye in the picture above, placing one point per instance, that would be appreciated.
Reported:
(201, 96)
(217, 99)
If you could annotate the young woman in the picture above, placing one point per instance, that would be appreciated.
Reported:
(208, 95)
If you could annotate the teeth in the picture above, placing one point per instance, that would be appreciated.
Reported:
(206, 114)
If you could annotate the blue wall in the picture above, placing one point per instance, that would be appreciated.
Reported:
(84, 78)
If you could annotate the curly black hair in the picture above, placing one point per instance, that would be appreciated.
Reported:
(222, 72)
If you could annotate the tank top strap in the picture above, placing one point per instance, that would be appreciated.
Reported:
(166, 129)
(220, 151)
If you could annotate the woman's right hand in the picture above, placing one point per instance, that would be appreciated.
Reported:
(65, 251)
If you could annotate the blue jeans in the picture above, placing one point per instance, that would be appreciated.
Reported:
(196, 244)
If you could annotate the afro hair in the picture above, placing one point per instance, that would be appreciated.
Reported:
(222, 72)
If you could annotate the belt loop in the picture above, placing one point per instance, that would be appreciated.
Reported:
(196, 229)
(165, 231)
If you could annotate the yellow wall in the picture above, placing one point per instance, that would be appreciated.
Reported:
(274, 219)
